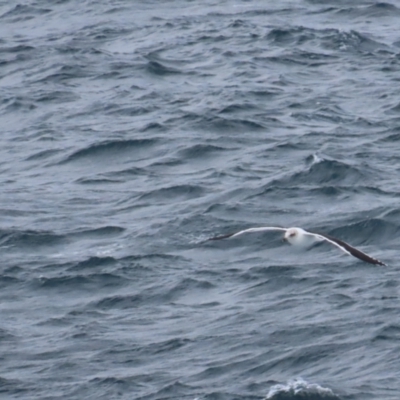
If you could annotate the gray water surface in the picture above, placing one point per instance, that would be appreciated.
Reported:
(133, 131)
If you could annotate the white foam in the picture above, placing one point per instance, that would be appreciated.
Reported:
(317, 159)
(301, 387)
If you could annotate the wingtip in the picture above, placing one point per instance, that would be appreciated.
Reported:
(379, 262)
(382, 264)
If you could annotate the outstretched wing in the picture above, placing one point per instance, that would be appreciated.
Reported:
(348, 249)
(260, 229)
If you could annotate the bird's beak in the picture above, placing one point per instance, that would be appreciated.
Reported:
(284, 239)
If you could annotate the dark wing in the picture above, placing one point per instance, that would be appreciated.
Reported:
(260, 229)
(350, 249)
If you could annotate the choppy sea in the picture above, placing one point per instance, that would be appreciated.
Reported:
(131, 131)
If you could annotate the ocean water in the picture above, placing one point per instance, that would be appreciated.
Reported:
(132, 131)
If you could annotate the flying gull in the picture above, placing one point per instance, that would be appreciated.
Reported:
(301, 237)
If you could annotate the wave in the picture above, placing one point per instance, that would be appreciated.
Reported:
(24, 12)
(109, 148)
(153, 127)
(390, 332)
(154, 295)
(29, 238)
(82, 282)
(374, 230)
(329, 39)
(330, 171)
(299, 389)
(288, 36)
(65, 73)
(321, 173)
(200, 151)
(181, 192)
(6, 281)
(96, 181)
(377, 10)
(100, 232)
(10, 237)
(43, 154)
(351, 41)
(92, 262)
(157, 68)
(16, 49)
(219, 123)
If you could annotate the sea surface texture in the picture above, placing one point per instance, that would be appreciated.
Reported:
(132, 131)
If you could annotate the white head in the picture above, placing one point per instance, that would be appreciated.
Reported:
(294, 236)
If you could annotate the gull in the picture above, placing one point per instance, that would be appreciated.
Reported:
(301, 237)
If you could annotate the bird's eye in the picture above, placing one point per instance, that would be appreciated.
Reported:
(292, 234)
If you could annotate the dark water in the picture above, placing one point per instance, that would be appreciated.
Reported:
(133, 130)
